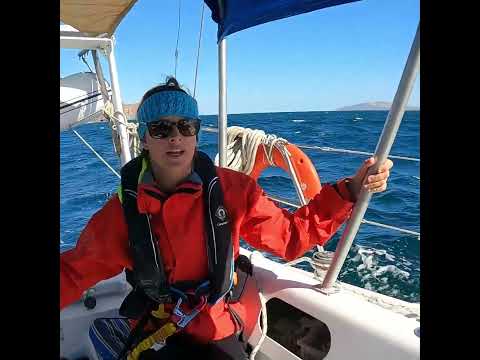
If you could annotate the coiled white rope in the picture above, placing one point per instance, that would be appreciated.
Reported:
(118, 117)
(242, 146)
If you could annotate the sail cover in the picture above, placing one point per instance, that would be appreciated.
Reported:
(238, 15)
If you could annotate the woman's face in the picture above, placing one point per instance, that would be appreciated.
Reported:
(174, 152)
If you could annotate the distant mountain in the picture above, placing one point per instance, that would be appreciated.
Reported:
(374, 105)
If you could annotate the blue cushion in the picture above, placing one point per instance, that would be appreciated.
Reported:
(109, 336)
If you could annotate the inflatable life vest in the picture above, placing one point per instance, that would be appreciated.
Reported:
(148, 277)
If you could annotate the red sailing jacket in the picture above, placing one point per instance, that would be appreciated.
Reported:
(102, 250)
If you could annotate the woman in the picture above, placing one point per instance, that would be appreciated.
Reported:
(175, 226)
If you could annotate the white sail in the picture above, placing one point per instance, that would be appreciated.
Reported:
(80, 100)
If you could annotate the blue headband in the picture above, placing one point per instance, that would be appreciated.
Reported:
(165, 103)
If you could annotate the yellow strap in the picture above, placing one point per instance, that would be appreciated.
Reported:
(120, 193)
(145, 167)
(157, 337)
(160, 312)
(164, 332)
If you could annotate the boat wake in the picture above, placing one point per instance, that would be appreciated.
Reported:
(374, 269)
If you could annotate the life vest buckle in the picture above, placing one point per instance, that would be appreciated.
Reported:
(185, 318)
(164, 299)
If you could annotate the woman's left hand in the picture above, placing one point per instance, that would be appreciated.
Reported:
(374, 182)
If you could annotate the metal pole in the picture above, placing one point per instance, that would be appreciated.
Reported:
(101, 79)
(384, 145)
(125, 155)
(222, 102)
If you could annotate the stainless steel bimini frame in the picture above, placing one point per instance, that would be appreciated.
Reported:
(392, 123)
(76, 40)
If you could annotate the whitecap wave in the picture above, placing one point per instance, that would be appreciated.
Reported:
(298, 120)
(383, 288)
(369, 262)
(390, 257)
(393, 270)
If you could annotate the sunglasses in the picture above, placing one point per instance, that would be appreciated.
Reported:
(162, 129)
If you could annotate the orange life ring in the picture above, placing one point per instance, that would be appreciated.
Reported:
(302, 165)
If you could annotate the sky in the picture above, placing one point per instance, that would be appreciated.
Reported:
(319, 61)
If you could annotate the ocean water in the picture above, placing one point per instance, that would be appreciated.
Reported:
(381, 259)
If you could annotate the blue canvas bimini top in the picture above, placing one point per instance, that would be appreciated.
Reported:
(238, 15)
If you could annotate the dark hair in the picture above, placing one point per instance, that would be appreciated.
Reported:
(171, 84)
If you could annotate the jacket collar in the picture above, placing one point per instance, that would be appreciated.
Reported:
(150, 197)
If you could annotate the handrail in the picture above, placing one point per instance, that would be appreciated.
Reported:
(382, 151)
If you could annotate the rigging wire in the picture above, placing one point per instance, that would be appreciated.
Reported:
(198, 49)
(330, 149)
(274, 198)
(82, 56)
(178, 36)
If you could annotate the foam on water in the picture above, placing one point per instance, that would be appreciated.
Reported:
(392, 269)
(377, 270)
